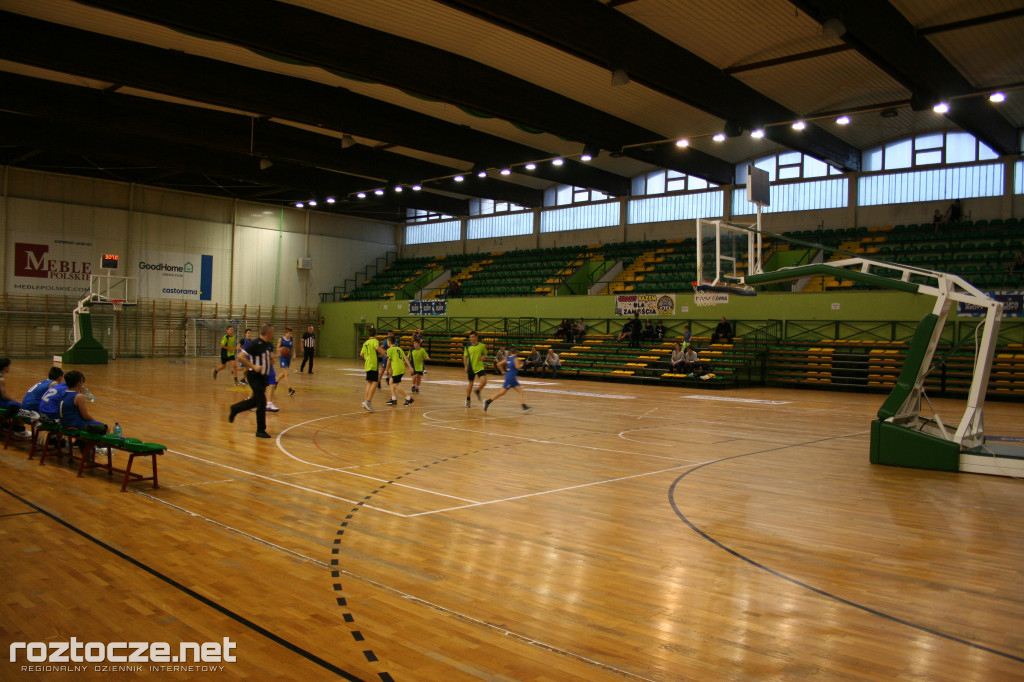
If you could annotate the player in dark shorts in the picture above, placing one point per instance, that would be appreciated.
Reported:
(512, 364)
(227, 354)
(473, 358)
(371, 354)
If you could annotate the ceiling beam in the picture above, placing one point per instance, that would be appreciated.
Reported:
(240, 134)
(69, 50)
(128, 148)
(605, 37)
(346, 47)
(883, 35)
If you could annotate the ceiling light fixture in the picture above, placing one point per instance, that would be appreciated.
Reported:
(330, 200)
(682, 142)
(530, 166)
(506, 171)
(589, 152)
(417, 188)
(556, 162)
(843, 120)
(799, 125)
(458, 178)
(941, 108)
(347, 141)
(379, 192)
(398, 188)
(312, 202)
(757, 133)
(997, 97)
(361, 195)
(481, 174)
(299, 204)
(720, 137)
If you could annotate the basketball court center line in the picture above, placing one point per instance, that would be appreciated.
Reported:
(285, 483)
(294, 648)
(283, 449)
(529, 641)
(559, 490)
(806, 586)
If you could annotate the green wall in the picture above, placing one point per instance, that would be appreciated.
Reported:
(337, 334)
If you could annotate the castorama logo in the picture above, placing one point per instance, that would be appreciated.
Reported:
(30, 260)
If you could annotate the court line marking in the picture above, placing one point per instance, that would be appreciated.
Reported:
(405, 595)
(554, 442)
(347, 470)
(285, 483)
(560, 490)
(807, 586)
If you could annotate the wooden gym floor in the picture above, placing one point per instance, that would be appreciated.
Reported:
(618, 532)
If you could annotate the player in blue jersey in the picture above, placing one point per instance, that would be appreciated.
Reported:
(285, 360)
(511, 366)
(35, 394)
(74, 406)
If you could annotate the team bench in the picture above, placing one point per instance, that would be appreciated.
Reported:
(56, 435)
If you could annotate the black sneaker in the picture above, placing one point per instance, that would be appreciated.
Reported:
(392, 402)
(477, 392)
(215, 373)
(487, 403)
(232, 414)
(408, 402)
(467, 402)
(526, 408)
(291, 391)
(262, 434)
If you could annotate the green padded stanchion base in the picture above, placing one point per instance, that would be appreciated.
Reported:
(901, 446)
(85, 356)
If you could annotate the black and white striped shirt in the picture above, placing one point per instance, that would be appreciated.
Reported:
(308, 340)
(260, 353)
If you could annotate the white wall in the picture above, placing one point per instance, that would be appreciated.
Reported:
(254, 246)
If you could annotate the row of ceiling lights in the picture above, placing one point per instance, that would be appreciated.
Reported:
(591, 151)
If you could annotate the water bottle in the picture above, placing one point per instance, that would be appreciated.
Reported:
(88, 394)
(118, 432)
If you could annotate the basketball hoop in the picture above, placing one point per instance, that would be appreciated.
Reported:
(704, 297)
(117, 304)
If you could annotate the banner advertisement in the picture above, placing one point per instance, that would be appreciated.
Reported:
(44, 265)
(175, 275)
(648, 305)
(1013, 302)
(428, 306)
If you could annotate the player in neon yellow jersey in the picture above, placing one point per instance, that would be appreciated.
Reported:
(473, 358)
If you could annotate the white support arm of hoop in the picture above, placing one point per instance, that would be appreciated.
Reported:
(948, 289)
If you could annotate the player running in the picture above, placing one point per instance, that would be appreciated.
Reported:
(512, 365)
(473, 358)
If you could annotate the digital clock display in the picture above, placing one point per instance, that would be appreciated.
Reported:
(110, 260)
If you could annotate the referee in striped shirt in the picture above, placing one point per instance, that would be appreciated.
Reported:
(257, 358)
(308, 344)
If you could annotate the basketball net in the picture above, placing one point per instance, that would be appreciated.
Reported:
(117, 304)
(705, 299)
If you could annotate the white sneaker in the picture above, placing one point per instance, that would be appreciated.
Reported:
(367, 406)
(271, 407)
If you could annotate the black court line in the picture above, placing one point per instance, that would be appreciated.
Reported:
(192, 593)
(4, 516)
(823, 593)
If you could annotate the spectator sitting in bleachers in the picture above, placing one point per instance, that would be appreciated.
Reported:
(678, 359)
(693, 364)
(35, 394)
(659, 331)
(499, 360)
(74, 406)
(1017, 266)
(648, 333)
(723, 332)
(552, 362)
(534, 361)
(581, 330)
(564, 330)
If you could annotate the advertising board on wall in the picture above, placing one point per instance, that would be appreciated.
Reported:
(429, 306)
(647, 305)
(44, 265)
(165, 274)
(1013, 302)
